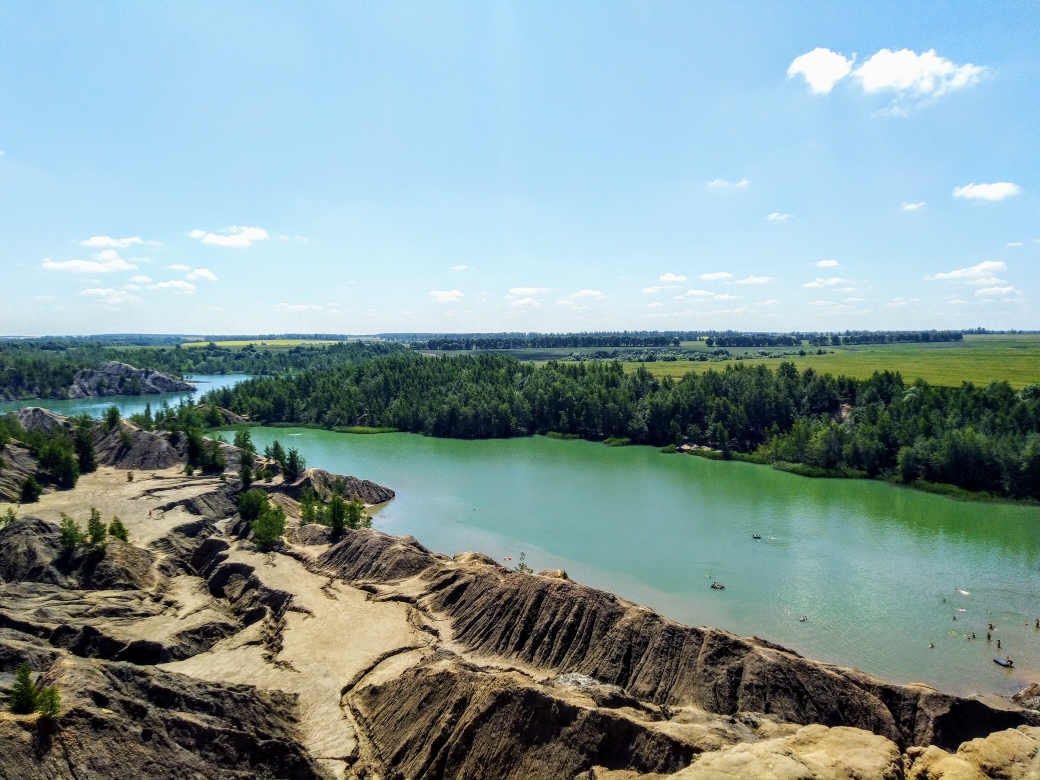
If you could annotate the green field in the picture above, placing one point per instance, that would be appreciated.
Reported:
(273, 344)
(978, 359)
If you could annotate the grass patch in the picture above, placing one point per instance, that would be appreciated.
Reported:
(562, 436)
(364, 429)
(803, 470)
(669, 449)
(314, 426)
(617, 441)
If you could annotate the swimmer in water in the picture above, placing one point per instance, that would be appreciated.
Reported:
(972, 634)
(931, 646)
(1038, 622)
(988, 637)
(998, 644)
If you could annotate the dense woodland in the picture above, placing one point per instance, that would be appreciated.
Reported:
(44, 369)
(977, 438)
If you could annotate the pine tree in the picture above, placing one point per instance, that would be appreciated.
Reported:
(96, 530)
(48, 703)
(71, 534)
(117, 530)
(22, 700)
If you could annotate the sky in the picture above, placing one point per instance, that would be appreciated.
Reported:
(209, 168)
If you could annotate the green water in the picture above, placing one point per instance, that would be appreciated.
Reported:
(869, 564)
(129, 404)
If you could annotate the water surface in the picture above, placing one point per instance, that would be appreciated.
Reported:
(877, 570)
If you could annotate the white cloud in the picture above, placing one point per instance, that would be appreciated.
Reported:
(139, 279)
(297, 307)
(105, 262)
(526, 302)
(722, 183)
(956, 302)
(821, 282)
(901, 301)
(716, 275)
(914, 206)
(995, 292)
(110, 296)
(234, 236)
(658, 288)
(698, 294)
(974, 274)
(594, 294)
(755, 280)
(670, 277)
(179, 267)
(776, 216)
(827, 264)
(524, 291)
(727, 297)
(926, 74)
(460, 268)
(821, 68)
(177, 285)
(572, 304)
(998, 190)
(1014, 244)
(654, 305)
(109, 241)
(203, 273)
(447, 296)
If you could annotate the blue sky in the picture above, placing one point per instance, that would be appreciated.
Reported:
(372, 167)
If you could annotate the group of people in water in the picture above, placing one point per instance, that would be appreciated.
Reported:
(1006, 661)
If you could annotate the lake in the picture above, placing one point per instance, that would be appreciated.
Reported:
(879, 571)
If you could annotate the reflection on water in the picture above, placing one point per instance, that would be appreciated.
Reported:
(868, 563)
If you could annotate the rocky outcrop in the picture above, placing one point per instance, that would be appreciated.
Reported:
(1013, 754)
(114, 378)
(813, 753)
(38, 418)
(325, 485)
(122, 720)
(16, 463)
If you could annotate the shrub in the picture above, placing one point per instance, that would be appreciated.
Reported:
(269, 526)
(117, 530)
(294, 465)
(251, 503)
(71, 534)
(8, 517)
(83, 444)
(189, 469)
(22, 700)
(246, 475)
(97, 531)
(30, 490)
(337, 514)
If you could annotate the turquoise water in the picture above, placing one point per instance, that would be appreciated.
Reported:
(867, 563)
(879, 571)
(129, 404)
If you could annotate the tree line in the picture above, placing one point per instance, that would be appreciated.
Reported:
(977, 438)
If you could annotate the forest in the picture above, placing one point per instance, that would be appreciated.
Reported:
(45, 369)
(975, 438)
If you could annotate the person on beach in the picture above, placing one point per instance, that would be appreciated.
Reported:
(998, 644)
(988, 637)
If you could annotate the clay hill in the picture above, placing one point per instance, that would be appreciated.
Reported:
(189, 652)
(115, 378)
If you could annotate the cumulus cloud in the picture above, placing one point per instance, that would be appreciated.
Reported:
(140, 279)
(526, 291)
(1012, 244)
(460, 268)
(595, 295)
(177, 285)
(113, 242)
(447, 296)
(526, 302)
(658, 288)
(995, 292)
(670, 277)
(755, 280)
(298, 307)
(901, 301)
(904, 72)
(723, 184)
(103, 263)
(827, 264)
(110, 296)
(716, 275)
(179, 267)
(203, 273)
(699, 293)
(998, 190)
(776, 216)
(821, 68)
(914, 206)
(819, 281)
(973, 275)
(234, 236)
